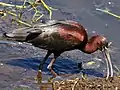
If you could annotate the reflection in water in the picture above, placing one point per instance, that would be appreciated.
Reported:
(61, 66)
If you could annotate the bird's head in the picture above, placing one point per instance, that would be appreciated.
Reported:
(103, 45)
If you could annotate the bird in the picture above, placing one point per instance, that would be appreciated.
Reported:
(58, 36)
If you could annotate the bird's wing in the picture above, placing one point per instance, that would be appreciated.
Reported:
(73, 33)
(55, 22)
(33, 34)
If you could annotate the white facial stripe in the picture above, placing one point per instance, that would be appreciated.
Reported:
(103, 39)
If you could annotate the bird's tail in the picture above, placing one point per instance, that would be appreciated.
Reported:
(24, 34)
(18, 34)
(15, 36)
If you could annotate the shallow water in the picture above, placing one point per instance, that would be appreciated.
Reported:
(19, 61)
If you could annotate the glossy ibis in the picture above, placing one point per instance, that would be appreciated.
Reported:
(58, 36)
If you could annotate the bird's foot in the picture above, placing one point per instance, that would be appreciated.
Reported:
(57, 78)
(39, 76)
(50, 80)
(84, 76)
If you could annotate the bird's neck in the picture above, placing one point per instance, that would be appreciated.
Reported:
(90, 46)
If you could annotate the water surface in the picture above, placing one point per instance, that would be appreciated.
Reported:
(19, 61)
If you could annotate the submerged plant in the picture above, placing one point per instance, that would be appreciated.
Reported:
(28, 5)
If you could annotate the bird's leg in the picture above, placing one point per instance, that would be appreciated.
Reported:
(84, 76)
(50, 67)
(39, 75)
(51, 63)
(43, 61)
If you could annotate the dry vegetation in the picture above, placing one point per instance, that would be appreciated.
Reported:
(80, 84)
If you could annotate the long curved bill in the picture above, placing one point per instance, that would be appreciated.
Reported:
(106, 54)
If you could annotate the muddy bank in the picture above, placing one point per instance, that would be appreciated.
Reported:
(80, 84)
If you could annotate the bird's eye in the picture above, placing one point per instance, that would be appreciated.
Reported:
(98, 43)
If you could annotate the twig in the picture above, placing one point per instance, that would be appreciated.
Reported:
(11, 13)
(11, 5)
(76, 81)
(48, 8)
(14, 14)
(24, 23)
(39, 17)
(106, 11)
(5, 12)
(33, 5)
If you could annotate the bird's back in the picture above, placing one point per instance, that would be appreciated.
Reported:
(53, 35)
(60, 36)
